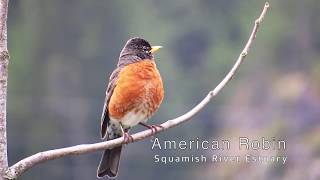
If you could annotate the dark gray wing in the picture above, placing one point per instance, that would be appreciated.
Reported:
(105, 113)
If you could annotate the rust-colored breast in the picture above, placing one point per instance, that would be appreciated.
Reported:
(138, 85)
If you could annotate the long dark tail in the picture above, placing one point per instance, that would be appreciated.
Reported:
(109, 163)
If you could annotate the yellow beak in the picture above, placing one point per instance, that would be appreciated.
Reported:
(155, 48)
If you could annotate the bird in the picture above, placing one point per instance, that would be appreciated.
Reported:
(134, 93)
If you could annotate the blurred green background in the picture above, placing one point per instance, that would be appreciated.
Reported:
(62, 53)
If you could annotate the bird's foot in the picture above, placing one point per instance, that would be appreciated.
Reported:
(127, 138)
(154, 128)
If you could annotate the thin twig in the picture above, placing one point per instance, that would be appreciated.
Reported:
(17, 169)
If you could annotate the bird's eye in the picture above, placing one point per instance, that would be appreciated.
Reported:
(145, 49)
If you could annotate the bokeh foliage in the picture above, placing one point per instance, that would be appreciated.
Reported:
(62, 53)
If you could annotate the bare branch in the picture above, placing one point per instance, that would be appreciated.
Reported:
(4, 59)
(17, 169)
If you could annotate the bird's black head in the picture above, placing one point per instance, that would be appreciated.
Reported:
(138, 44)
(136, 49)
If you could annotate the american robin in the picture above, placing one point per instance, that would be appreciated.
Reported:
(134, 94)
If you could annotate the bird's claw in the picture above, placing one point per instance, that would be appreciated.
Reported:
(127, 138)
(154, 128)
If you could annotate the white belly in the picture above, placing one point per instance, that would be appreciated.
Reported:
(133, 118)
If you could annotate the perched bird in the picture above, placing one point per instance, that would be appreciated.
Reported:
(134, 94)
